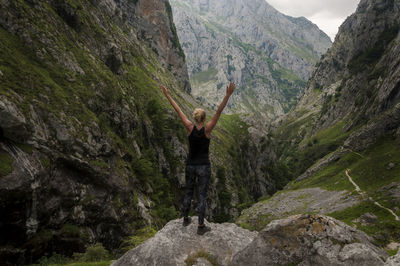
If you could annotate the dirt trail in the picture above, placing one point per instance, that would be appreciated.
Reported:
(364, 194)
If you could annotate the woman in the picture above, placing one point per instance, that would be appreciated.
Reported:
(198, 163)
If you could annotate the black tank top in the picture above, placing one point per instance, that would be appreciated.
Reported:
(198, 147)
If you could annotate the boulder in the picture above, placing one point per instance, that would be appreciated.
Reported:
(175, 243)
(310, 240)
(390, 166)
(13, 124)
(369, 217)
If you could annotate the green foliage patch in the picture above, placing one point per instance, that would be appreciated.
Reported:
(191, 259)
(138, 238)
(95, 253)
(384, 231)
(6, 164)
(205, 76)
(369, 169)
(370, 57)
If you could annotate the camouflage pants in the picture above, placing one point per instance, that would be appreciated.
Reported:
(202, 174)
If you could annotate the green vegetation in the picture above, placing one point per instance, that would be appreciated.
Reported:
(133, 1)
(25, 147)
(175, 40)
(100, 164)
(191, 259)
(392, 252)
(321, 144)
(138, 238)
(365, 168)
(306, 54)
(205, 76)
(55, 259)
(6, 164)
(70, 230)
(257, 223)
(384, 231)
(224, 196)
(369, 58)
(369, 169)
(45, 162)
(95, 255)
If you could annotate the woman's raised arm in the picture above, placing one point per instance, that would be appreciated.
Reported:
(186, 122)
(211, 124)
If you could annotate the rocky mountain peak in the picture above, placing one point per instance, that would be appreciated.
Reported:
(269, 55)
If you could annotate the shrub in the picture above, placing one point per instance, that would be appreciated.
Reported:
(138, 238)
(191, 259)
(93, 253)
(6, 164)
(54, 259)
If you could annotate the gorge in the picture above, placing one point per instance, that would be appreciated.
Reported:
(90, 152)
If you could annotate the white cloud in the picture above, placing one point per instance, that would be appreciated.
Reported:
(327, 14)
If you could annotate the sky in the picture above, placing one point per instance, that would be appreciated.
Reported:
(327, 14)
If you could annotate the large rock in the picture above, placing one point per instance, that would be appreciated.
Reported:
(175, 243)
(13, 124)
(310, 240)
(297, 240)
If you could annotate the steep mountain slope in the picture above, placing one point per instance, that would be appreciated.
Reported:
(90, 151)
(268, 54)
(345, 129)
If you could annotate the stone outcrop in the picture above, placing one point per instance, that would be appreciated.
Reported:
(300, 239)
(13, 124)
(175, 243)
(310, 240)
(269, 55)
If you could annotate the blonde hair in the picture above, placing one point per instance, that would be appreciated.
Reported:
(199, 115)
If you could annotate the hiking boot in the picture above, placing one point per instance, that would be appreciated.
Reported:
(201, 230)
(186, 221)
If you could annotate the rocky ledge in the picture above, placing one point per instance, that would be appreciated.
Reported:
(177, 245)
(296, 240)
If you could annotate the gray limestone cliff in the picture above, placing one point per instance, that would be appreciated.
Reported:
(269, 55)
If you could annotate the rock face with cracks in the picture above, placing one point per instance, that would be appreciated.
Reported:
(310, 240)
(297, 240)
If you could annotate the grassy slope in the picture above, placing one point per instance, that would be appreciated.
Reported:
(369, 171)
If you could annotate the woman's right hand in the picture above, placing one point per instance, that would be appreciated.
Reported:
(164, 90)
(230, 89)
